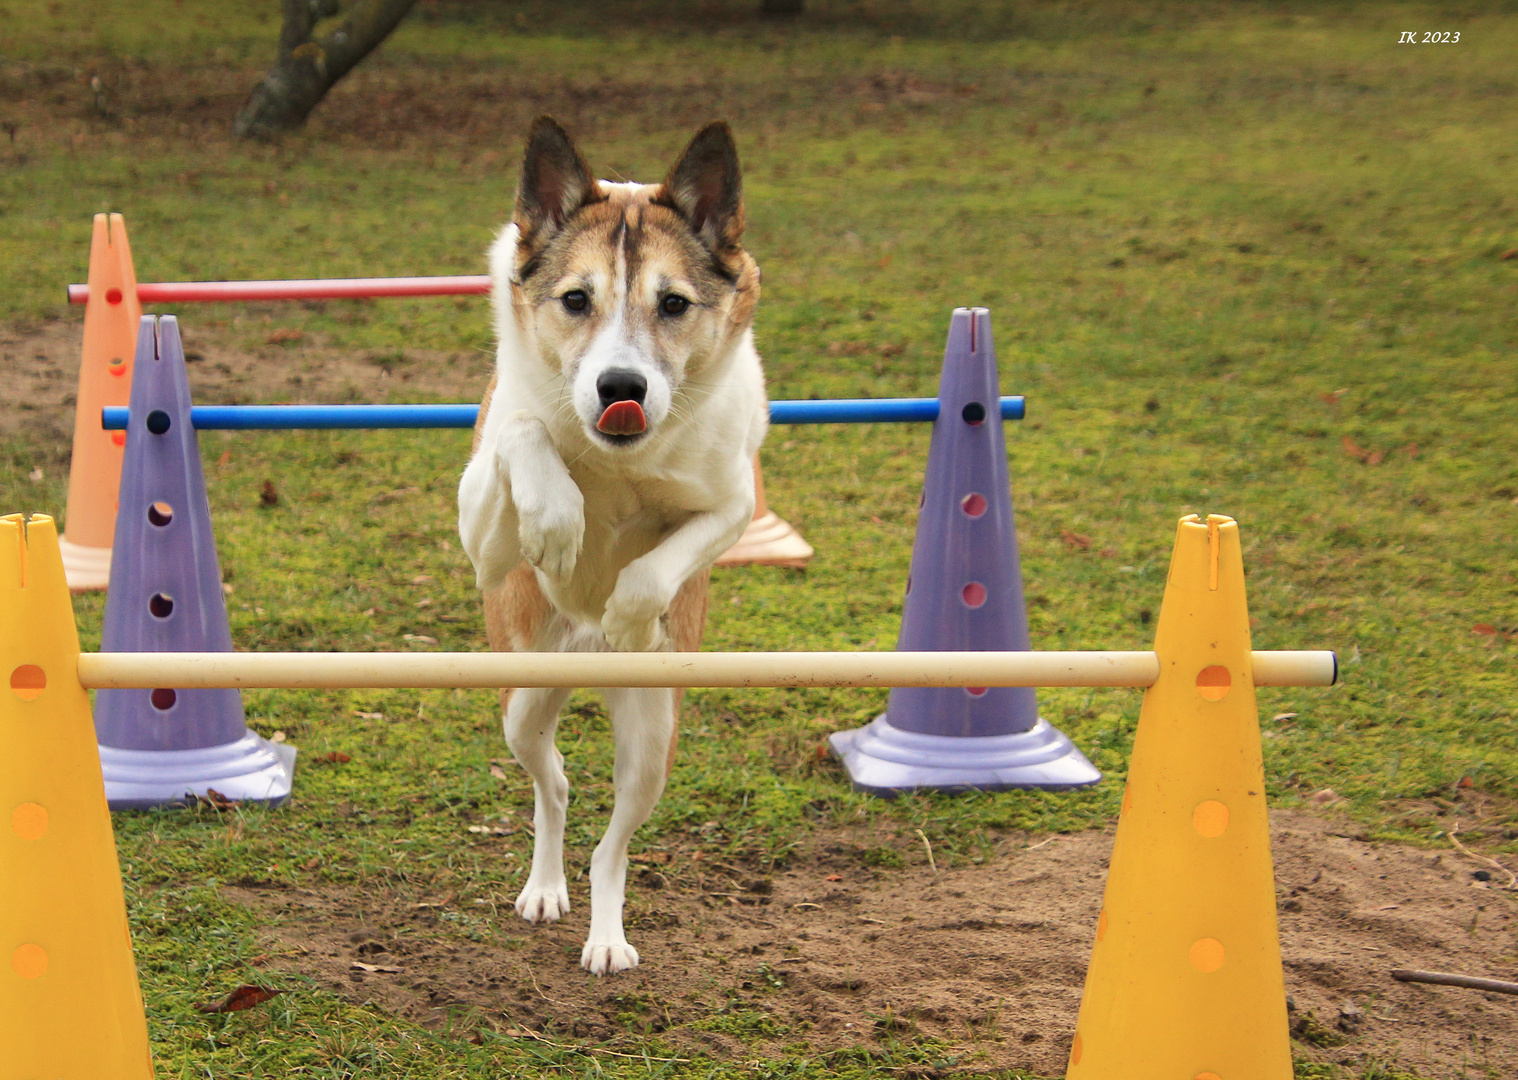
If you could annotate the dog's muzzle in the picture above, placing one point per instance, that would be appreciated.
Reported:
(622, 418)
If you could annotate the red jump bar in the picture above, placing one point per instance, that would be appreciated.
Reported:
(172, 292)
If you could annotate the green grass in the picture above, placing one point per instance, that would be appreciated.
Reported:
(1191, 224)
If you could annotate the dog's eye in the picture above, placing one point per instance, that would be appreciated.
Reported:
(576, 300)
(674, 304)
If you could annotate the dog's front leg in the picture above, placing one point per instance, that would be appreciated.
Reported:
(633, 621)
(643, 723)
(517, 501)
(532, 717)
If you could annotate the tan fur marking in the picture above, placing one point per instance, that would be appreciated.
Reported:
(479, 421)
(515, 611)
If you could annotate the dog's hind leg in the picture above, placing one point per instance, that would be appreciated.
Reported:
(643, 722)
(532, 717)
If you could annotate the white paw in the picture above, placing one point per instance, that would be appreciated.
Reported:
(608, 958)
(634, 617)
(540, 904)
(552, 529)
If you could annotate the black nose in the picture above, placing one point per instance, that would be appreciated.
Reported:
(619, 384)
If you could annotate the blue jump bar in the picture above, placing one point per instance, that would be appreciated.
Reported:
(290, 417)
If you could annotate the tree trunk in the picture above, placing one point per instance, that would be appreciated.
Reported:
(306, 68)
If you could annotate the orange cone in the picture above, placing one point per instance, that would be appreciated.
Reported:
(105, 378)
(769, 540)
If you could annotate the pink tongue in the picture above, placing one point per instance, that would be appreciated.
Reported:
(622, 418)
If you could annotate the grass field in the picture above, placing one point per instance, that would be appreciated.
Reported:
(1252, 259)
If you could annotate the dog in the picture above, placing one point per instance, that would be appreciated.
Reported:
(612, 464)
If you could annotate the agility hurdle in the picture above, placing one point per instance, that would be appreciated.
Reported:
(342, 417)
(397, 670)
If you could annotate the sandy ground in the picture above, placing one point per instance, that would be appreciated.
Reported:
(989, 958)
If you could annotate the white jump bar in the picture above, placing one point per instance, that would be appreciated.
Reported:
(301, 670)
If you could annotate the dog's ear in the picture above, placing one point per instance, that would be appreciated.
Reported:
(706, 188)
(555, 183)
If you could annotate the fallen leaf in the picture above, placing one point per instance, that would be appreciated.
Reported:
(1278, 717)
(278, 736)
(423, 638)
(651, 857)
(335, 757)
(1327, 797)
(269, 494)
(312, 863)
(1466, 782)
(35, 476)
(284, 335)
(225, 459)
(425, 601)
(491, 830)
(1510, 253)
(1369, 457)
(1411, 449)
(370, 715)
(218, 800)
(1332, 397)
(244, 997)
(1388, 907)
(421, 579)
(1075, 541)
(1483, 628)
(497, 772)
(833, 877)
(387, 969)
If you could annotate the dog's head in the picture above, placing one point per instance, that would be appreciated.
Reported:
(631, 291)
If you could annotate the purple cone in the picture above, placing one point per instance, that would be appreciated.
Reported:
(165, 596)
(964, 592)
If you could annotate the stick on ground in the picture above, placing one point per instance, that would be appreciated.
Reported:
(1445, 979)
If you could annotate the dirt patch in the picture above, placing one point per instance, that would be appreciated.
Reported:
(43, 363)
(834, 952)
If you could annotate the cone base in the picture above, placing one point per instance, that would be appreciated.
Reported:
(87, 569)
(252, 769)
(882, 759)
(769, 540)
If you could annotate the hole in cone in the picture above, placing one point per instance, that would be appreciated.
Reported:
(1207, 954)
(116, 365)
(163, 699)
(976, 691)
(623, 418)
(160, 514)
(974, 414)
(161, 605)
(28, 681)
(158, 421)
(113, 296)
(29, 961)
(1213, 682)
(119, 438)
(29, 821)
(974, 594)
(973, 504)
(1210, 818)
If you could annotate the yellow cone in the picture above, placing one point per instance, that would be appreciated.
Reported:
(1185, 979)
(105, 378)
(69, 1001)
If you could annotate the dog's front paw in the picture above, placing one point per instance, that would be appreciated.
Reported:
(634, 617)
(544, 903)
(552, 530)
(608, 957)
